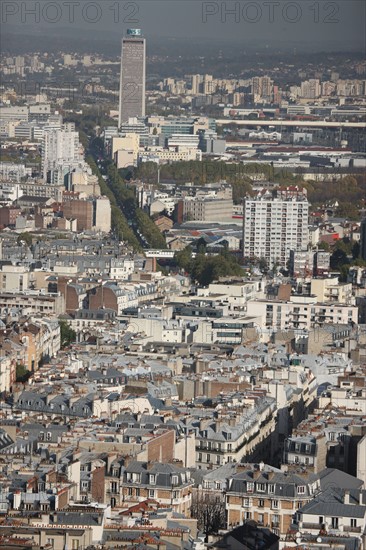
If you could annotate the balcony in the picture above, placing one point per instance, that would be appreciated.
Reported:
(313, 526)
(349, 529)
(113, 491)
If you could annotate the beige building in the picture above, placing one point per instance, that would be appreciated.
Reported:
(125, 150)
(207, 209)
(102, 215)
(32, 302)
(361, 459)
(330, 290)
(14, 278)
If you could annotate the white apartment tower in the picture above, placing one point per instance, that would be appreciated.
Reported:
(61, 150)
(275, 222)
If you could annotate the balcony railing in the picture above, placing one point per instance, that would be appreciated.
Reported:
(350, 529)
(316, 526)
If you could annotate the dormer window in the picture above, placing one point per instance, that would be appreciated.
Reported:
(152, 479)
(174, 480)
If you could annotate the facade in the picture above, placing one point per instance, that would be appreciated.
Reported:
(166, 483)
(226, 441)
(133, 76)
(102, 214)
(308, 451)
(60, 151)
(207, 209)
(275, 222)
(334, 512)
(266, 495)
(32, 302)
(363, 239)
(300, 313)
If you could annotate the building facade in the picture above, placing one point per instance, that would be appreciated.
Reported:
(133, 76)
(275, 222)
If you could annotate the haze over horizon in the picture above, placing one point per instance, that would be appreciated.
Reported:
(302, 25)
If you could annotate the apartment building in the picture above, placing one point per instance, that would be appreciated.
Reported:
(248, 436)
(335, 512)
(60, 150)
(32, 302)
(266, 495)
(309, 451)
(168, 484)
(301, 313)
(274, 223)
(207, 209)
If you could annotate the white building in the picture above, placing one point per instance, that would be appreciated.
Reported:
(274, 223)
(102, 214)
(60, 150)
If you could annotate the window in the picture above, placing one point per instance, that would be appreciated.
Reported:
(250, 486)
(151, 493)
(174, 480)
(130, 491)
(261, 503)
(301, 490)
(247, 515)
(271, 488)
(152, 479)
(334, 523)
(353, 522)
(75, 544)
(261, 487)
(246, 502)
(275, 504)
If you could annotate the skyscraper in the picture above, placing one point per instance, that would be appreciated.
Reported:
(363, 239)
(132, 80)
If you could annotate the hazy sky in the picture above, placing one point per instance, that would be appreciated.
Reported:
(302, 24)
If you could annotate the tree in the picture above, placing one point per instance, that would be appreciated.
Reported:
(323, 245)
(183, 258)
(21, 373)
(205, 269)
(24, 238)
(67, 334)
(209, 510)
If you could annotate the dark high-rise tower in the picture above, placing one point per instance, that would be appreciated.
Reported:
(132, 81)
(363, 239)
